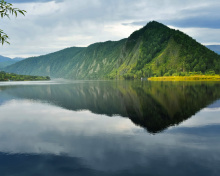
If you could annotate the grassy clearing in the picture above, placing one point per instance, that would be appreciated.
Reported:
(187, 78)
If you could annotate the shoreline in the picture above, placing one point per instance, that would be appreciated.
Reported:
(186, 78)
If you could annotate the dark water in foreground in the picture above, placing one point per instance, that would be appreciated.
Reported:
(109, 128)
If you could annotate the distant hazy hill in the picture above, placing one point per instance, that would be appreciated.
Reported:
(153, 50)
(215, 48)
(6, 61)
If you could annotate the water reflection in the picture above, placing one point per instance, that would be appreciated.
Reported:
(152, 105)
(36, 137)
(65, 129)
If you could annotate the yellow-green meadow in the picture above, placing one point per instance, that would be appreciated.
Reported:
(187, 78)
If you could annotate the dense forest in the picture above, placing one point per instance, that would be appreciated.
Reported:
(14, 77)
(154, 50)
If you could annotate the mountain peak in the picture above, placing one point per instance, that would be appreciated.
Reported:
(152, 25)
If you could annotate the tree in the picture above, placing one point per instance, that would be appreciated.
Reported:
(7, 9)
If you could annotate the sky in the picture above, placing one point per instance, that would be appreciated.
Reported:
(52, 25)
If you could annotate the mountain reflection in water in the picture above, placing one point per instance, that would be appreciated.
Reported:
(152, 105)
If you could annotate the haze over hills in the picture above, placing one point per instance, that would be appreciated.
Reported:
(154, 50)
(19, 58)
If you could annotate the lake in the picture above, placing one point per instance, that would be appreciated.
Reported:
(107, 128)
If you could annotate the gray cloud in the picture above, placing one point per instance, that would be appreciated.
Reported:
(194, 22)
(52, 25)
(197, 22)
(199, 17)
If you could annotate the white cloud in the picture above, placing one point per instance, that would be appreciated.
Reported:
(120, 30)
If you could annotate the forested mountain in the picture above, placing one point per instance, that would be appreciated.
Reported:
(215, 48)
(154, 50)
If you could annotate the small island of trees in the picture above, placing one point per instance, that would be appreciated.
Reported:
(14, 77)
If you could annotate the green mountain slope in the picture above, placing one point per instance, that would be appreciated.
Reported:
(7, 63)
(154, 50)
(51, 64)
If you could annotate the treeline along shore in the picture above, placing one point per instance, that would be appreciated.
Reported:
(15, 77)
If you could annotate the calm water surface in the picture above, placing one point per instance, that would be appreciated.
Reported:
(109, 128)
